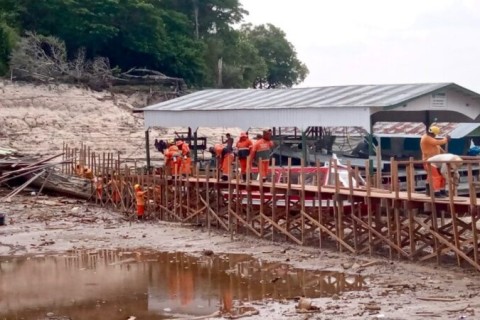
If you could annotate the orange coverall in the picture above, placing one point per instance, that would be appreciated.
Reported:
(224, 163)
(243, 145)
(99, 187)
(430, 147)
(261, 152)
(186, 166)
(140, 197)
(173, 158)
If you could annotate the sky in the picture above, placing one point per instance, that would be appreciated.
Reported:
(346, 42)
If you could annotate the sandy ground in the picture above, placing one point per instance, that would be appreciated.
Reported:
(37, 120)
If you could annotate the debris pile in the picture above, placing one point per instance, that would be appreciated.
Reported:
(27, 171)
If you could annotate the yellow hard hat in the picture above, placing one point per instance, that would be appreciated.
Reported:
(434, 129)
(136, 187)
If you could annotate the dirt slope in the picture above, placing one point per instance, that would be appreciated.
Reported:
(38, 119)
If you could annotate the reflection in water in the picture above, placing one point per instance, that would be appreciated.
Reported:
(110, 284)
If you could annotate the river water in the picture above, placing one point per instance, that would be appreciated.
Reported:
(116, 284)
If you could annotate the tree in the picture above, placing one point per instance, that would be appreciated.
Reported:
(284, 68)
(8, 38)
(209, 16)
(242, 63)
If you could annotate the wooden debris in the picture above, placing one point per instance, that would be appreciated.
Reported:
(372, 306)
(305, 306)
(368, 264)
(442, 299)
(427, 314)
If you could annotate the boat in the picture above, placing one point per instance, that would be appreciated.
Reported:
(311, 176)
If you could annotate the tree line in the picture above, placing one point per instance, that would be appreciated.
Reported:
(202, 41)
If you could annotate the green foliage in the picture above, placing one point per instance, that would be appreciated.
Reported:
(181, 38)
(284, 68)
(8, 38)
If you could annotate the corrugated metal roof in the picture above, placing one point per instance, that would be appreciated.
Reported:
(398, 129)
(337, 96)
(416, 130)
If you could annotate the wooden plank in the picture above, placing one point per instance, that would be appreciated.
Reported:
(319, 196)
(453, 212)
(381, 236)
(302, 199)
(448, 244)
(329, 232)
(273, 191)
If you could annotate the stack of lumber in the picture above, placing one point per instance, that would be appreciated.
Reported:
(43, 174)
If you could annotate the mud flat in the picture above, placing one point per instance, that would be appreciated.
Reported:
(65, 228)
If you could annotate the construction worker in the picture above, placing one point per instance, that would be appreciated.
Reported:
(98, 181)
(431, 146)
(173, 158)
(228, 142)
(439, 162)
(140, 198)
(260, 152)
(79, 170)
(115, 184)
(87, 173)
(186, 165)
(243, 145)
(224, 159)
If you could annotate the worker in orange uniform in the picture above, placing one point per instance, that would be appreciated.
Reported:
(87, 173)
(79, 170)
(115, 185)
(243, 145)
(224, 159)
(186, 161)
(431, 146)
(261, 153)
(140, 197)
(98, 181)
(173, 158)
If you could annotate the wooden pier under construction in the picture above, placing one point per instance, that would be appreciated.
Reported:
(375, 219)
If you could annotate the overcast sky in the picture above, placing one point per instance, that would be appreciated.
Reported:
(379, 41)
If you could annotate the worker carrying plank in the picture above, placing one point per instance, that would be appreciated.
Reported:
(430, 146)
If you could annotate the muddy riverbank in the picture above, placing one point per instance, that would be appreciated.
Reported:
(391, 289)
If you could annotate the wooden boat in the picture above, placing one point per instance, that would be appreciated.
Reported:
(324, 174)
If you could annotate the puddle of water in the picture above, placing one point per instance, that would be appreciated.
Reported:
(110, 284)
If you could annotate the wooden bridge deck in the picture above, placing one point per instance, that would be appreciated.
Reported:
(364, 220)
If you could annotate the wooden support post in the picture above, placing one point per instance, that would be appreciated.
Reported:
(453, 212)
(249, 195)
(302, 199)
(262, 204)
(207, 196)
(230, 199)
(319, 197)
(473, 212)
(287, 196)
(197, 190)
(353, 210)
(147, 148)
(273, 191)
(369, 206)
